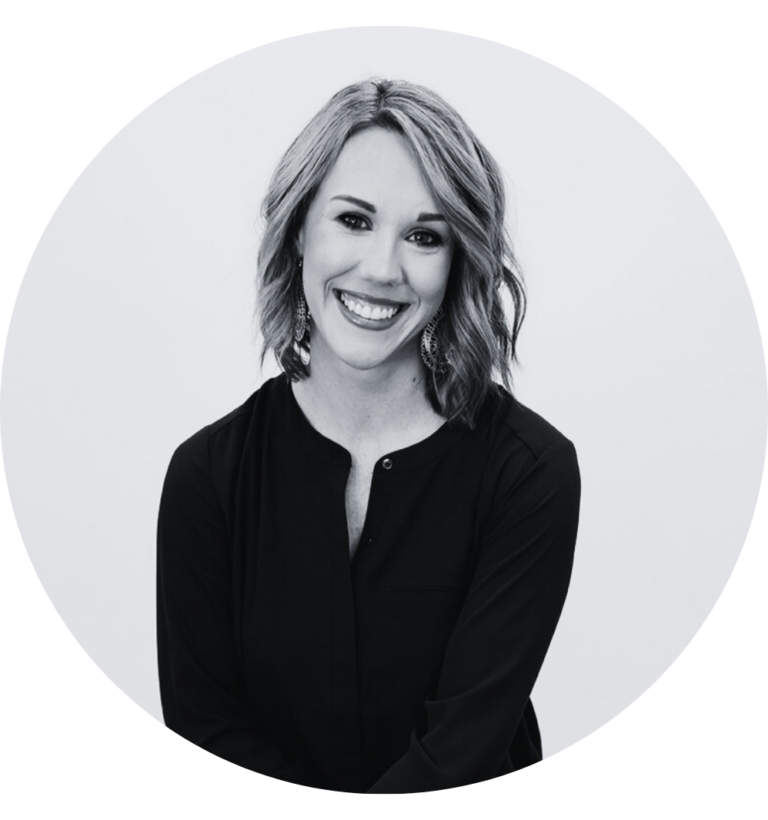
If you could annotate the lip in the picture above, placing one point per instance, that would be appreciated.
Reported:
(372, 300)
(369, 324)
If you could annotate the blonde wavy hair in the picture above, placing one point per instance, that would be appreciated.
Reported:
(465, 182)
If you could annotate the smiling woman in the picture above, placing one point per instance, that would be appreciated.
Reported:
(370, 260)
(361, 568)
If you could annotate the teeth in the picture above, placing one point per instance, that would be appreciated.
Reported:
(366, 311)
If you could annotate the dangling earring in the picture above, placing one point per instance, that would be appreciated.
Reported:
(431, 354)
(301, 314)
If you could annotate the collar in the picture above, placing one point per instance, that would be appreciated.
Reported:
(315, 443)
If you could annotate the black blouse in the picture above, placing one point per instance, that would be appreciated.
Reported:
(406, 669)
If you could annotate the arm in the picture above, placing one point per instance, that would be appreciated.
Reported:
(503, 632)
(201, 689)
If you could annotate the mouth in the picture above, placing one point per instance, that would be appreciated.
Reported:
(367, 311)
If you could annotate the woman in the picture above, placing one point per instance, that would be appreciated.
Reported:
(361, 568)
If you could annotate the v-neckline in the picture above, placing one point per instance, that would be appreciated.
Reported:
(447, 436)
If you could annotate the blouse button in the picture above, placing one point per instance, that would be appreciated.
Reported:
(387, 463)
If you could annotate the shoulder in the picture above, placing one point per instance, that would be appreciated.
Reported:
(512, 423)
(531, 476)
(218, 447)
(524, 448)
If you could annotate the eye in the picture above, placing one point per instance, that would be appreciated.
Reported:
(355, 222)
(426, 239)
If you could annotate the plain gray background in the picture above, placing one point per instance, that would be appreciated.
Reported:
(133, 329)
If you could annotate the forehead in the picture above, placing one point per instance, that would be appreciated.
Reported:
(379, 166)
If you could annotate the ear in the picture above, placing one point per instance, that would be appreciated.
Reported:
(300, 242)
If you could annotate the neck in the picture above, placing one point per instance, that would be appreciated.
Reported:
(349, 405)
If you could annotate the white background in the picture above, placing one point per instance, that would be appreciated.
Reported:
(133, 328)
(74, 75)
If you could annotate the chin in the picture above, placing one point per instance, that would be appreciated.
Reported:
(362, 362)
(375, 351)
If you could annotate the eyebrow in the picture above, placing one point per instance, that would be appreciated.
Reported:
(431, 218)
(361, 203)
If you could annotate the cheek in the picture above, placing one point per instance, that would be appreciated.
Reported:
(329, 254)
(433, 277)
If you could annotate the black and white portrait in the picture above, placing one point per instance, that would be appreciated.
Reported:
(383, 411)
(361, 568)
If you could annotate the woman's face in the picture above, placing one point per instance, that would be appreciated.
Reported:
(377, 253)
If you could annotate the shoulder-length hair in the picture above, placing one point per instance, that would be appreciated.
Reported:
(467, 185)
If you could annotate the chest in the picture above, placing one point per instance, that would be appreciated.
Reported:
(356, 497)
(350, 629)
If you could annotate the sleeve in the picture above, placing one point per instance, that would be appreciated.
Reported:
(201, 688)
(498, 645)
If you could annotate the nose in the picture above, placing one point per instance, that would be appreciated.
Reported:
(381, 263)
